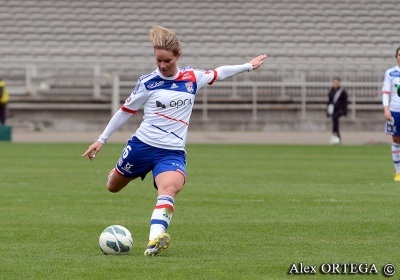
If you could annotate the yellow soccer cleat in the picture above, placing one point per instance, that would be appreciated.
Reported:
(397, 177)
(158, 244)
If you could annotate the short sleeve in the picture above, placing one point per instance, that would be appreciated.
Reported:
(205, 77)
(386, 88)
(137, 98)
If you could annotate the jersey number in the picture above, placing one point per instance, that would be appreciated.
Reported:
(126, 151)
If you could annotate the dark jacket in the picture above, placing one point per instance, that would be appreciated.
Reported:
(342, 103)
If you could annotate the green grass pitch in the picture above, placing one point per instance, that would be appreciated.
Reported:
(246, 212)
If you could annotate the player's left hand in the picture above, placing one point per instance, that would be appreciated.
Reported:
(258, 61)
(93, 150)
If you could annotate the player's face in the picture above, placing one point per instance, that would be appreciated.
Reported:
(166, 62)
(398, 58)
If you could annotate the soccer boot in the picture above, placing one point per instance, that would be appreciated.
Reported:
(158, 244)
(397, 177)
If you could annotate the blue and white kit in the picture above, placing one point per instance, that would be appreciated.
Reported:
(167, 103)
(391, 99)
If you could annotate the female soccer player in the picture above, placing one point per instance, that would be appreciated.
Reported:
(158, 145)
(390, 95)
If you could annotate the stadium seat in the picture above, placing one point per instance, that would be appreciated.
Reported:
(115, 33)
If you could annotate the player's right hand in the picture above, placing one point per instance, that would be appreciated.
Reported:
(388, 115)
(93, 150)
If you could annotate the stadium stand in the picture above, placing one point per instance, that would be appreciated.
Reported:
(56, 49)
(117, 30)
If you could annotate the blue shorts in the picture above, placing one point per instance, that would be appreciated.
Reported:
(138, 159)
(394, 128)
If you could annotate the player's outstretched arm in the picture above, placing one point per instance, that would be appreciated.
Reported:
(119, 118)
(224, 72)
(93, 150)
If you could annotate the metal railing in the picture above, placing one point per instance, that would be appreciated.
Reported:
(303, 84)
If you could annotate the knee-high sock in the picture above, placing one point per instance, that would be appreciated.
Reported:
(162, 215)
(396, 156)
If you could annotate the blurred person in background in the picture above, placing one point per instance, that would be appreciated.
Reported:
(158, 145)
(391, 109)
(3, 101)
(337, 107)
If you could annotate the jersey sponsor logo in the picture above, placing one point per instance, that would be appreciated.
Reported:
(154, 85)
(395, 73)
(187, 76)
(175, 103)
(178, 165)
(189, 87)
(127, 167)
(159, 104)
(174, 86)
(179, 103)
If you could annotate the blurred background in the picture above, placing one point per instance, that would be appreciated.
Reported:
(70, 64)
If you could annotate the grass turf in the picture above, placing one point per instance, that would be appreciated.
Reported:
(246, 212)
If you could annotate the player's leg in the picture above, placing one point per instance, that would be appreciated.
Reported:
(396, 156)
(396, 145)
(169, 184)
(135, 161)
(117, 181)
(169, 179)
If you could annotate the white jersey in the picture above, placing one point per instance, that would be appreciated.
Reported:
(390, 82)
(168, 104)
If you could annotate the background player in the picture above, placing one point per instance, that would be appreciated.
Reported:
(391, 106)
(158, 145)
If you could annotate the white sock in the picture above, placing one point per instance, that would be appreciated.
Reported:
(396, 156)
(162, 215)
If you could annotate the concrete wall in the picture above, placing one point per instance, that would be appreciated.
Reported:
(94, 117)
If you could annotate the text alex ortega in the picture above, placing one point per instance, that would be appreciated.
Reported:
(333, 268)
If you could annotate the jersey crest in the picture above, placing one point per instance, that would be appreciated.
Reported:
(189, 87)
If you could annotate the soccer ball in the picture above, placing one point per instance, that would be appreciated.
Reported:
(334, 140)
(115, 240)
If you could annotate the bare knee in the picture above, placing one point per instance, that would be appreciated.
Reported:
(113, 188)
(396, 139)
(170, 183)
(170, 189)
(117, 182)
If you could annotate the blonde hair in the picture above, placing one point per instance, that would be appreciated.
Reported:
(163, 38)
